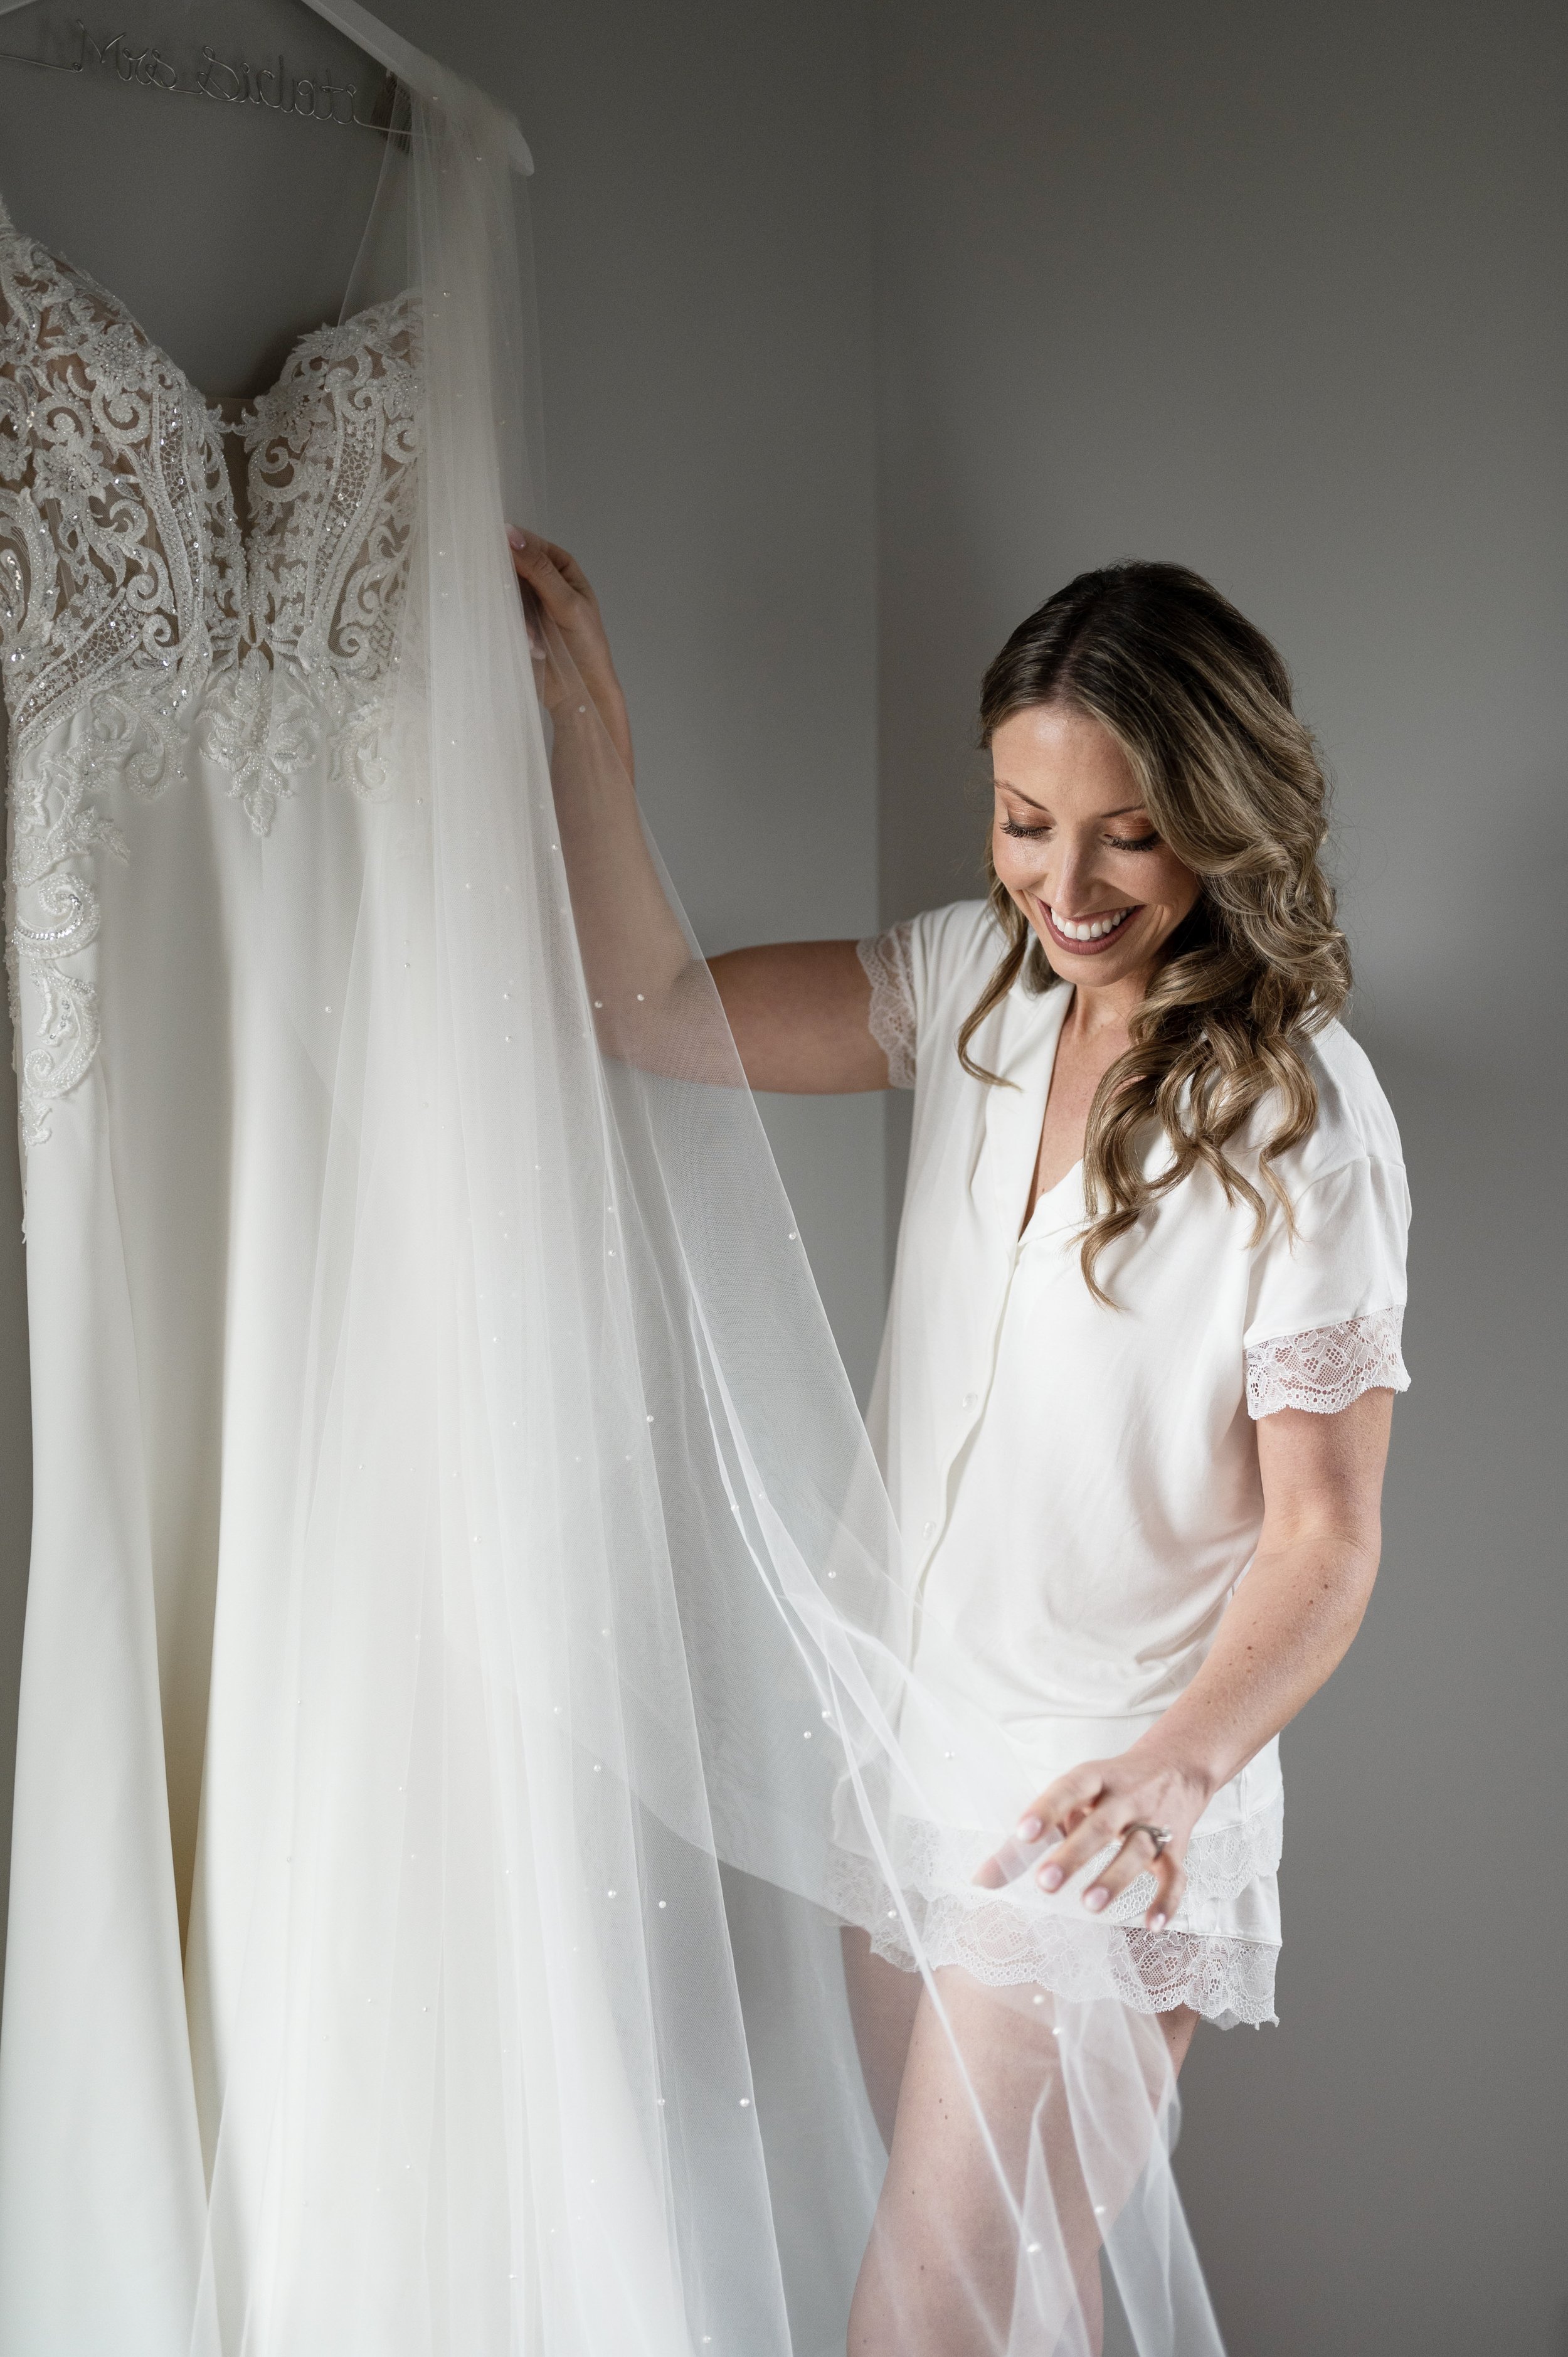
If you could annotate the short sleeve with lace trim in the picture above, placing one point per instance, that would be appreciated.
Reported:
(1327, 1368)
(1327, 1294)
(886, 960)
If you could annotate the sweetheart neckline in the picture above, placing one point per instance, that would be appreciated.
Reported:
(211, 403)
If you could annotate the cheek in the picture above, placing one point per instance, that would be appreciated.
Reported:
(1159, 880)
(1015, 859)
(1179, 888)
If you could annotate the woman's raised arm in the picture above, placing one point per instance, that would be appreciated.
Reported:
(798, 1011)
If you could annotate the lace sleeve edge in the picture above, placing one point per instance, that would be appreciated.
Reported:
(891, 1019)
(1324, 1368)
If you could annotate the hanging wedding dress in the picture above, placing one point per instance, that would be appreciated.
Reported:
(454, 1539)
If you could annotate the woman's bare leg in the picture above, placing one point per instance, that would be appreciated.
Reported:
(940, 2270)
(882, 2003)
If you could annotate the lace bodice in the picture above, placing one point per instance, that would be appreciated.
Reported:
(131, 603)
(122, 564)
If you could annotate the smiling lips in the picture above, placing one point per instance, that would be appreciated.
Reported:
(1085, 935)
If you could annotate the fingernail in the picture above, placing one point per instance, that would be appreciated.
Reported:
(1158, 1920)
(518, 539)
(1096, 1899)
(1029, 1829)
(1051, 1877)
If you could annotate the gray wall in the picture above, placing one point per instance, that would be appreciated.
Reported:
(703, 230)
(1273, 289)
(1279, 291)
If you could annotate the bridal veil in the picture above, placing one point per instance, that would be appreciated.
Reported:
(511, 2016)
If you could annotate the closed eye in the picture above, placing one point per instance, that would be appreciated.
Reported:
(1117, 841)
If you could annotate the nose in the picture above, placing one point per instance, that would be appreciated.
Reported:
(1069, 883)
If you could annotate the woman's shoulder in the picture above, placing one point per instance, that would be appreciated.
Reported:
(952, 947)
(1355, 1121)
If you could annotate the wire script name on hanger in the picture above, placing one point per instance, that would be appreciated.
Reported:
(313, 98)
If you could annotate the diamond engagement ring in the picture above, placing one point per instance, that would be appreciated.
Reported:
(1161, 1835)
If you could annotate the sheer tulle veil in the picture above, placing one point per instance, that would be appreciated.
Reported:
(586, 1737)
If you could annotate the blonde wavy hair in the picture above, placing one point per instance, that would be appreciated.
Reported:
(1200, 704)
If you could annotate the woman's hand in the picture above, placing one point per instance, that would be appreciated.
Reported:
(1121, 1804)
(1286, 1627)
(564, 620)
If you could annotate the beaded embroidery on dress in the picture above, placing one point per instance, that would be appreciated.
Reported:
(138, 630)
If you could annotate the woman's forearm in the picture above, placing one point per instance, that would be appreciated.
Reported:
(634, 948)
(653, 1003)
(1285, 1630)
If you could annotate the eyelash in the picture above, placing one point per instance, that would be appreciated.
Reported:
(1117, 841)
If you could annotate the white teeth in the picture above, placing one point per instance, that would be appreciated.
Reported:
(1093, 929)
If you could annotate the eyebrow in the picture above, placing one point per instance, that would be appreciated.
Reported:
(1125, 811)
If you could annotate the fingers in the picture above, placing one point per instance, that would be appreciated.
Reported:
(1052, 1814)
(555, 576)
(1100, 1815)
(1111, 1834)
(1137, 1856)
(1062, 1805)
(1104, 1828)
(1170, 1889)
(569, 569)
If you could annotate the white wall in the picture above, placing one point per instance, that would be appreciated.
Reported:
(1278, 290)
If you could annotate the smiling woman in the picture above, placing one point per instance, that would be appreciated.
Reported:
(1133, 1412)
(1162, 810)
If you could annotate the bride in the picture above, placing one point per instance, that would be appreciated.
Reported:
(1136, 1389)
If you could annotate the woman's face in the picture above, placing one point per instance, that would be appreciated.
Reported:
(1078, 851)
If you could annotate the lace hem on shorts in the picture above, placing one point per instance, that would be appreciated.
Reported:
(1018, 1936)
(1327, 1368)
(892, 1018)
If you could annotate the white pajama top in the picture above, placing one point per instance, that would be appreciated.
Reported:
(1078, 1485)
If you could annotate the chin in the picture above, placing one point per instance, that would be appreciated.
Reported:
(1092, 973)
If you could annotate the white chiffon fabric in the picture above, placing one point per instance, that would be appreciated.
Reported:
(463, 1670)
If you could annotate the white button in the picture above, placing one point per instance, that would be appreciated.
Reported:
(931, 1530)
(971, 1399)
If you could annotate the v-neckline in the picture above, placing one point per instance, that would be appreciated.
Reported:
(1024, 1055)
(1045, 1193)
(1075, 1170)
